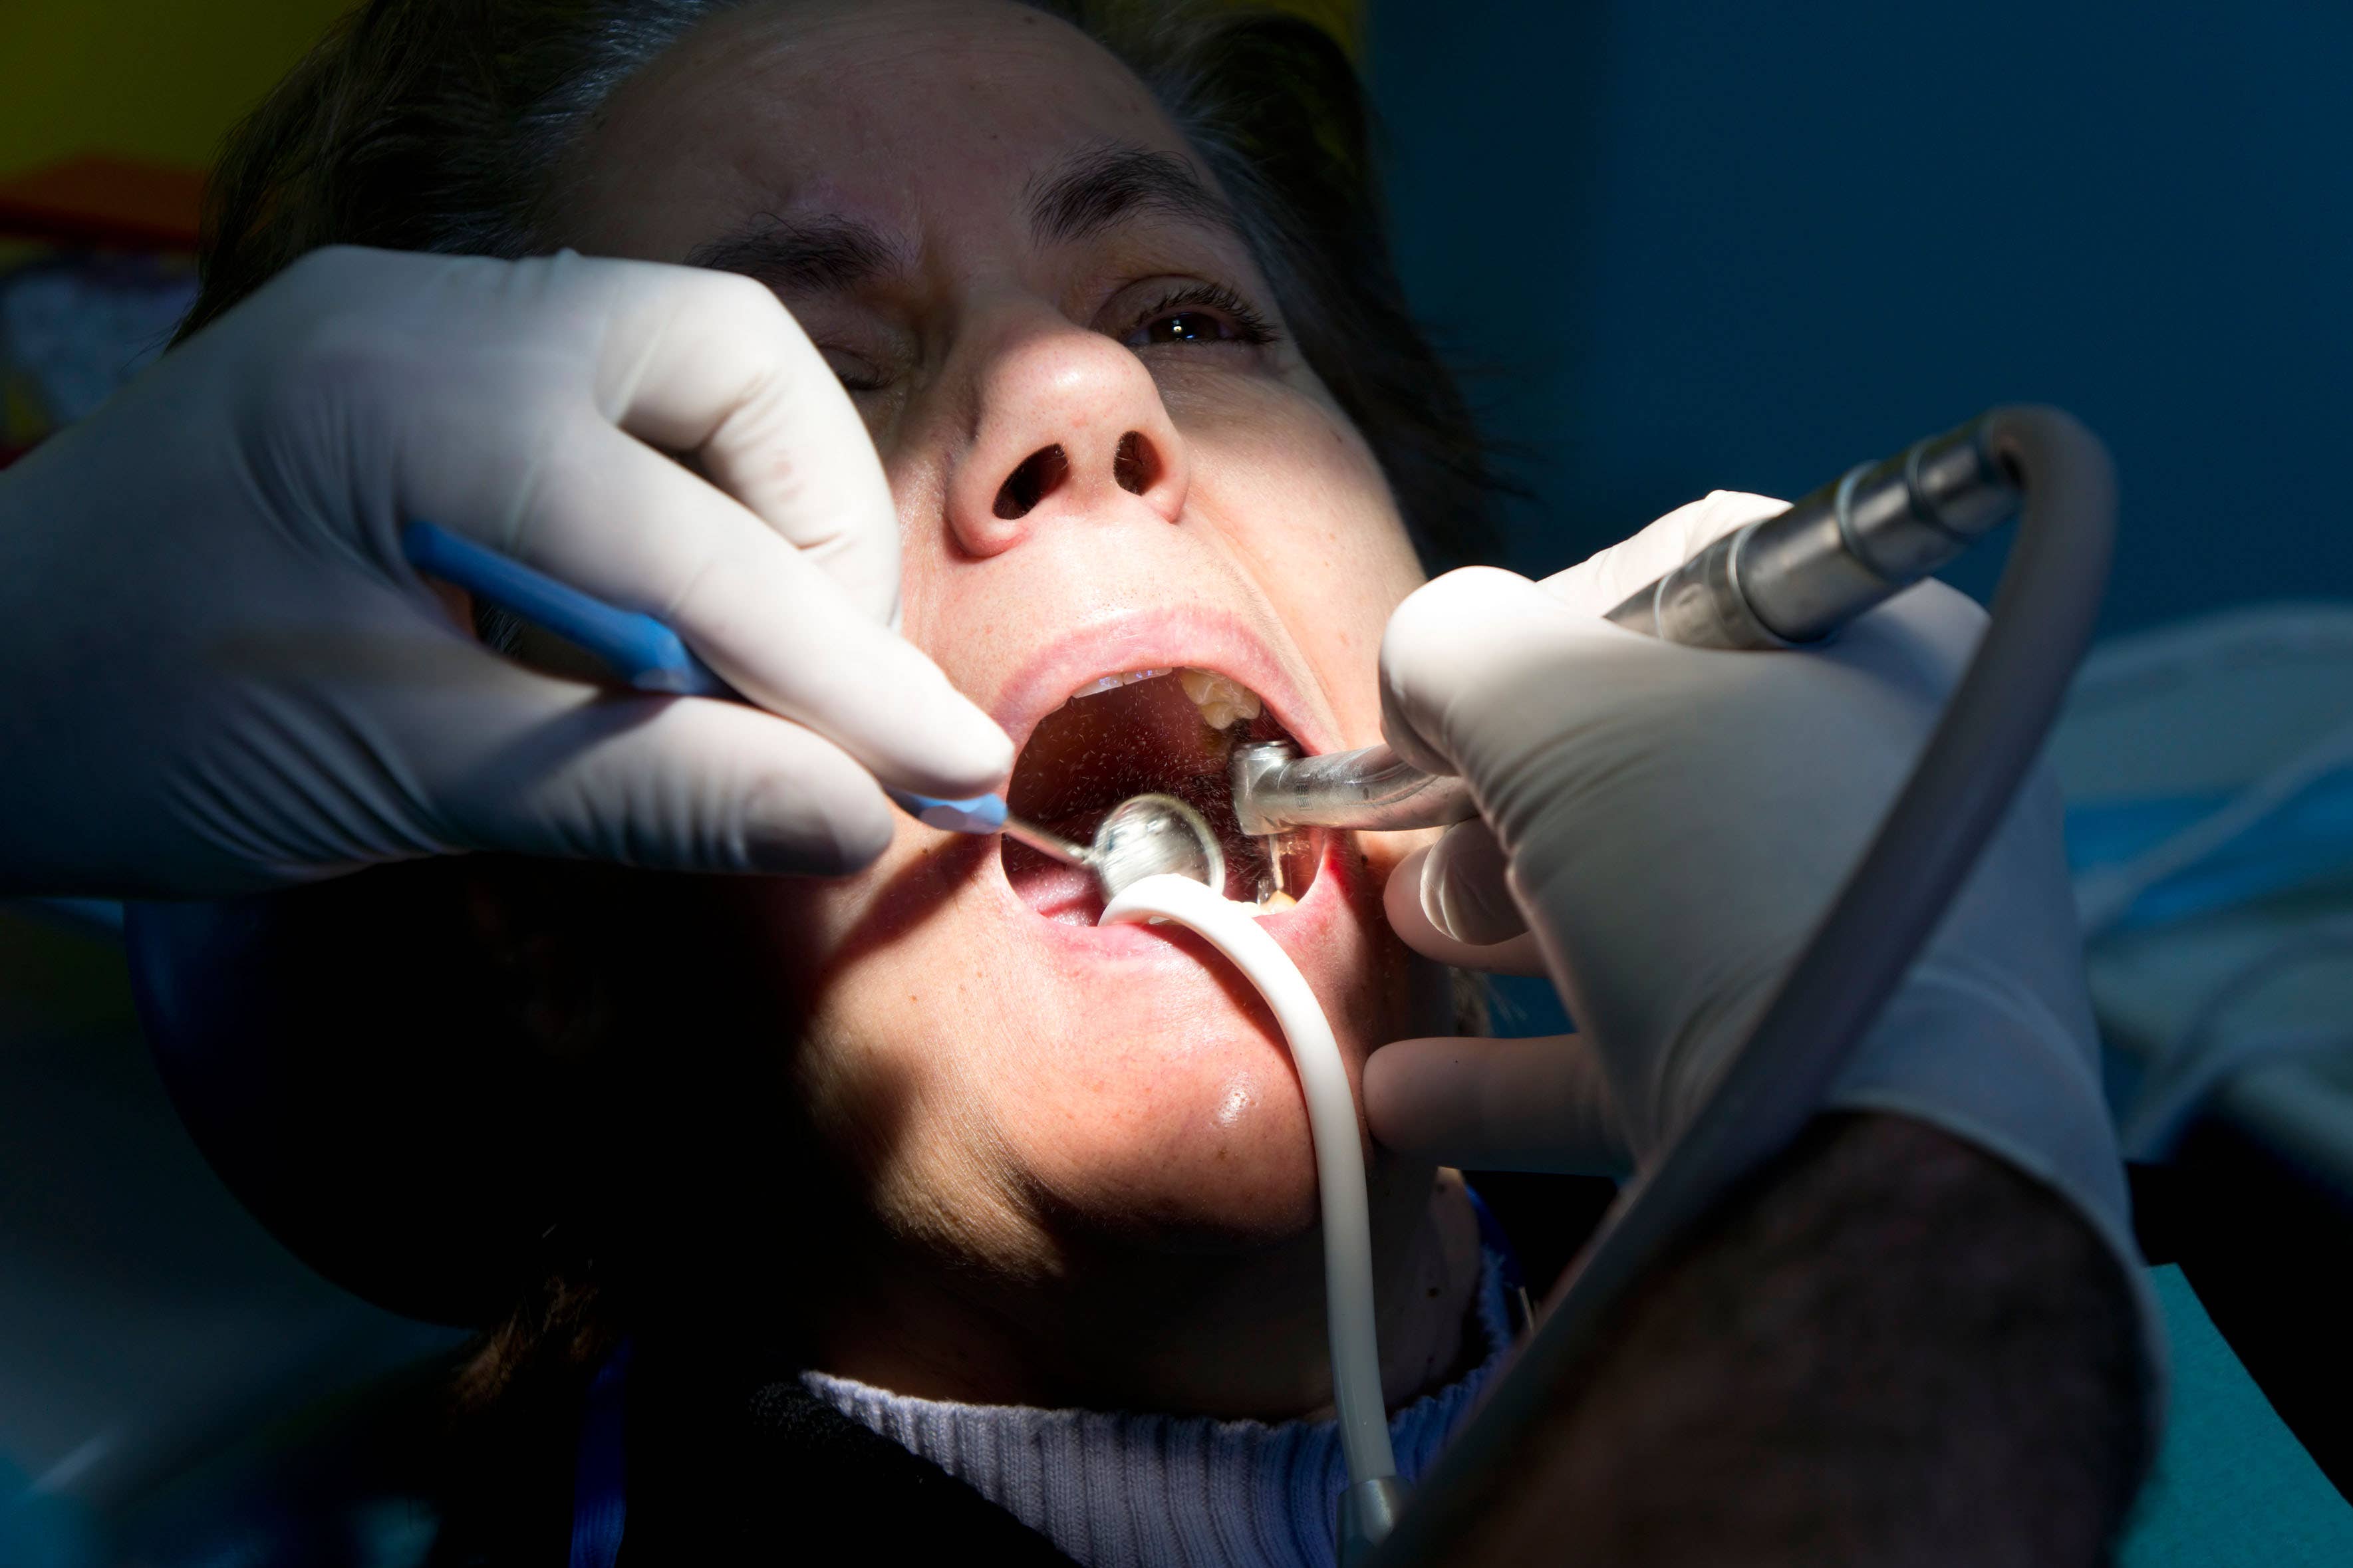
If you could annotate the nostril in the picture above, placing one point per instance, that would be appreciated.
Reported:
(1031, 483)
(1135, 466)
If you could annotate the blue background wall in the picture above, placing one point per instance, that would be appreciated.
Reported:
(1702, 245)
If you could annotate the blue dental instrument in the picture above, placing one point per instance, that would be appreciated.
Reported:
(641, 649)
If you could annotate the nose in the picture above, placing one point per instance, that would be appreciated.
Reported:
(1070, 425)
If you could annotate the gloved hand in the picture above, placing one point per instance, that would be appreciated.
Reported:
(1663, 829)
(221, 675)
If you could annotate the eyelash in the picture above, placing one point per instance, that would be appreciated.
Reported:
(855, 384)
(1250, 325)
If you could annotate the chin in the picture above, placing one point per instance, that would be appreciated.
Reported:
(1169, 1118)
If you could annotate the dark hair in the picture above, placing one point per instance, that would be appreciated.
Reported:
(443, 125)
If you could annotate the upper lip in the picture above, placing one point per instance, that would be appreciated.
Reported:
(1154, 639)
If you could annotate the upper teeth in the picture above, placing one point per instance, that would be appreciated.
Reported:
(1114, 682)
(1222, 702)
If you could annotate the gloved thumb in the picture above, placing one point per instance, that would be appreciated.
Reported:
(1452, 640)
(1496, 1105)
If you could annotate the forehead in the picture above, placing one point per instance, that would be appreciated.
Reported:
(917, 115)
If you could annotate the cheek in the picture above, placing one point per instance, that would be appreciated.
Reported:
(892, 988)
(1303, 501)
(853, 966)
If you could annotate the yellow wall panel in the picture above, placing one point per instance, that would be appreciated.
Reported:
(158, 80)
(164, 79)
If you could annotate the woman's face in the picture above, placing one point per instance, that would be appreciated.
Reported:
(1108, 458)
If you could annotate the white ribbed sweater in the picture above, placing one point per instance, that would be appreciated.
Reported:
(1118, 1490)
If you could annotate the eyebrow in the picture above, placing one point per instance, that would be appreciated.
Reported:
(1091, 192)
(812, 255)
(1107, 185)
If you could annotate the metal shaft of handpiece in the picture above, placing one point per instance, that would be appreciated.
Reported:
(1798, 577)
(1792, 578)
(1374, 788)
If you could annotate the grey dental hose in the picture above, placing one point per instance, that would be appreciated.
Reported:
(1951, 804)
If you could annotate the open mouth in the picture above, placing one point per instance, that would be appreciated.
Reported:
(1166, 732)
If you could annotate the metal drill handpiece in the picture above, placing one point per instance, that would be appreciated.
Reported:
(1275, 788)
(1792, 578)
(1801, 575)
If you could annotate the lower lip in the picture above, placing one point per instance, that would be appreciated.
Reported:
(1295, 928)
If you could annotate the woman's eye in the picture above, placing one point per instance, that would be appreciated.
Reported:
(855, 371)
(1186, 327)
(1210, 313)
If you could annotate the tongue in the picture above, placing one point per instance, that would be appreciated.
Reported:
(1093, 752)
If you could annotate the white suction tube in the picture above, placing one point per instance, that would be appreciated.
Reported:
(1231, 928)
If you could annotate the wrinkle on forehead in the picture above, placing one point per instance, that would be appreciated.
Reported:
(891, 39)
(998, 77)
(913, 120)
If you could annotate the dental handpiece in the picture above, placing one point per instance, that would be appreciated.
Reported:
(1786, 581)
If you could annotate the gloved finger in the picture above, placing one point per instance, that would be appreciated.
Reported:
(617, 519)
(1601, 582)
(539, 765)
(1496, 1105)
(1456, 638)
(712, 363)
(1402, 901)
(1464, 890)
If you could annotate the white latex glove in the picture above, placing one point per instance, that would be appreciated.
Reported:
(1663, 827)
(221, 675)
